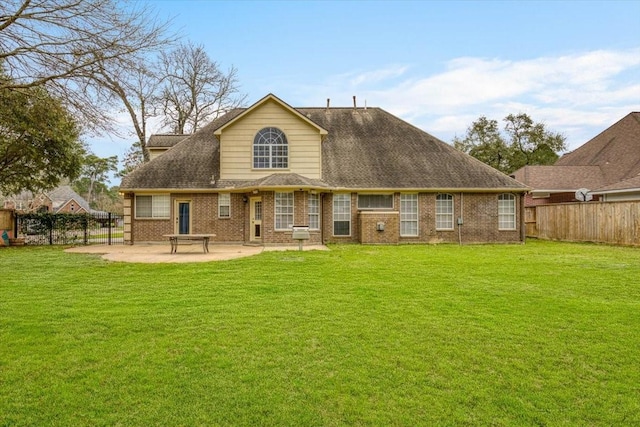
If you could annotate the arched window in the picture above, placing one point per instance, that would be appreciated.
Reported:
(444, 212)
(270, 149)
(506, 212)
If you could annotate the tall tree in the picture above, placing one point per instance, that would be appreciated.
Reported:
(132, 159)
(96, 169)
(63, 43)
(137, 89)
(39, 140)
(522, 143)
(531, 143)
(195, 90)
(484, 142)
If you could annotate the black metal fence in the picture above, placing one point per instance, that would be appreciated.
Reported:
(45, 228)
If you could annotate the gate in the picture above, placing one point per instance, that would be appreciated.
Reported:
(43, 228)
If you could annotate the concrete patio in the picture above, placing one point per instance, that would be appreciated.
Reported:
(161, 252)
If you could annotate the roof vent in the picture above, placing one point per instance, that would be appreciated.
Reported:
(354, 102)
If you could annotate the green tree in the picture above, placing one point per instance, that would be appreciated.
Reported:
(531, 143)
(96, 170)
(39, 140)
(133, 158)
(484, 142)
(522, 143)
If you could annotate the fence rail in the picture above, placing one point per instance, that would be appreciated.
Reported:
(66, 229)
(602, 222)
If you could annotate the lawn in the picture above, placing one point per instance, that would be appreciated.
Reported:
(539, 334)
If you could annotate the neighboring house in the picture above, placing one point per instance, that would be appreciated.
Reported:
(350, 174)
(60, 200)
(607, 165)
(626, 190)
(557, 184)
(159, 143)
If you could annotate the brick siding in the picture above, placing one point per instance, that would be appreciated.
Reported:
(479, 213)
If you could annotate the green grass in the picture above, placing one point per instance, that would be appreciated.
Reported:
(540, 334)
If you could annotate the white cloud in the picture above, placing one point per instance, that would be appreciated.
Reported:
(378, 75)
(579, 95)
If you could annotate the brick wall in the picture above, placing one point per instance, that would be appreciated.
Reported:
(370, 222)
(479, 213)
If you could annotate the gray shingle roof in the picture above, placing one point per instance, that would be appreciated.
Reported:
(616, 150)
(165, 140)
(364, 148)
(560, 178)
(631, 184)
(61, 195)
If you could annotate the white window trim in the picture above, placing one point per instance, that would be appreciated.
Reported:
(153, 196)
(333, 227)
(417, 213)
(315, 214)
(452, 214)
(512, 199)
(270, 148)
(221, 199)
(275, 210)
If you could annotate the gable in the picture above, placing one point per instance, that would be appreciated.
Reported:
(616, 151)
(236, 138)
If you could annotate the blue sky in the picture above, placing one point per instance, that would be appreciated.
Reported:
(439, 65)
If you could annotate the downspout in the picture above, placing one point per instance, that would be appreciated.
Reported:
(322, 218)
(523, 231)
(462, 218)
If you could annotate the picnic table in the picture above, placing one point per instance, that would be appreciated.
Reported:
(174, 238)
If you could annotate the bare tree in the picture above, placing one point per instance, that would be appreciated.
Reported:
(62, 43)
(137, 90)
(195, 90)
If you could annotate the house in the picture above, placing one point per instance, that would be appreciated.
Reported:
(60, 200)
(607, 165)
(357, 175)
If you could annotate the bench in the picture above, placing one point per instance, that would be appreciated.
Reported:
(174, 238)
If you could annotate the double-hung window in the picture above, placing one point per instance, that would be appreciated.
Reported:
(284, 211)
(408, 215)
(342, 214)
(444, 212)
(224, 205)
(314, 211)
(270, 149)
(506, 212)
(154, 206)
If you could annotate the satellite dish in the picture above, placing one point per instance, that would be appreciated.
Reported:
(583, 195)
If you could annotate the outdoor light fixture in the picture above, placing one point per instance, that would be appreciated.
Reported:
(244, 199)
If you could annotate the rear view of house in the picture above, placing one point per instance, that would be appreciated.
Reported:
(356, 175)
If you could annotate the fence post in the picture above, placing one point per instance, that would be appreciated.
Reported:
(85, 226)
(109, 230)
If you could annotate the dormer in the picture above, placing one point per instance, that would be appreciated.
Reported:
(270, 137)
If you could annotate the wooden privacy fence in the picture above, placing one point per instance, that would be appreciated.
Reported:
(602, 222)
